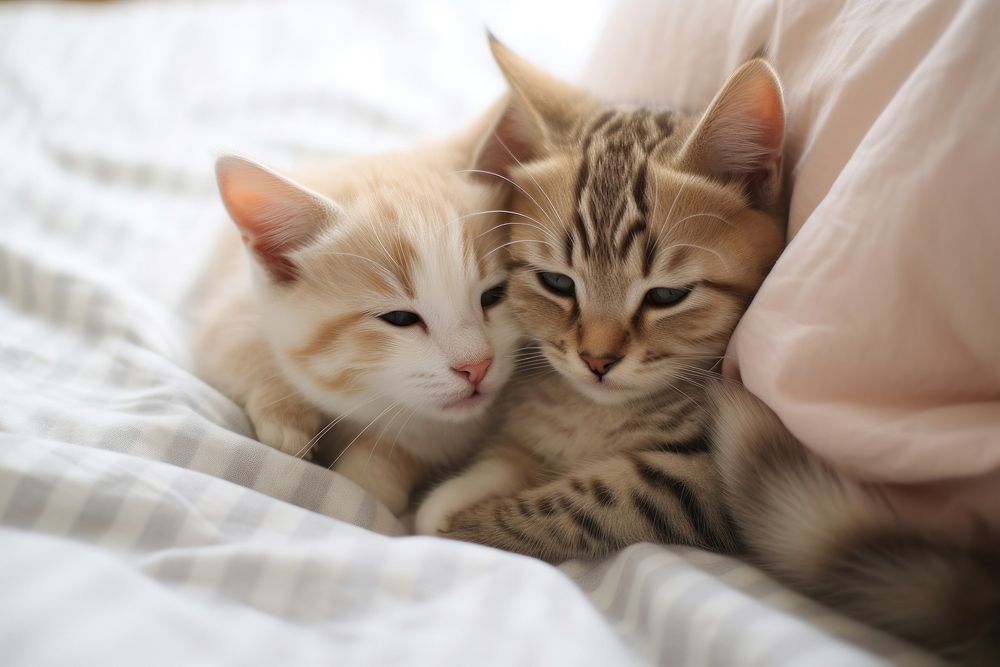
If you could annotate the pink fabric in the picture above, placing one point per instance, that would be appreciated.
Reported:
(877, 336)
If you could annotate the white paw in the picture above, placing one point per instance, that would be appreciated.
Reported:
(286, 438)
(434, 514)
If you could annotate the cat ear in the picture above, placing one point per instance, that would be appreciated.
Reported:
(539, 111)
(274, 215)
(741, 134)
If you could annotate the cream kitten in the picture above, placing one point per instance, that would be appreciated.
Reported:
(368, 292)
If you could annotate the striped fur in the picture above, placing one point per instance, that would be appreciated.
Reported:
(622, 201)
(841, 542)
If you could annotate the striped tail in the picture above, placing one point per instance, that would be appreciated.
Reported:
(840, 542)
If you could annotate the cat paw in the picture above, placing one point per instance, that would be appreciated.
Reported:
(285, 438)
(287, 424)
(466, 525)
(433, 517)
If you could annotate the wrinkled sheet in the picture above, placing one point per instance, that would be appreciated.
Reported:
(140, 523)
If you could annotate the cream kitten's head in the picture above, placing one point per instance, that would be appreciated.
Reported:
(650, 231)
(379, 285)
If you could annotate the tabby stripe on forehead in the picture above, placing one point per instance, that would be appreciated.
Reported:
(581, 180)
(637, 227)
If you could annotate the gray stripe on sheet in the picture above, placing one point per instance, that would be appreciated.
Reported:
(728, 638)
(94, 318)
(244, 518)
(166, 519)
(28, 501)
(29, 296)
(308, 597)
(590, 578)
(189, 437)
(242, 574)
(367, 511)
(313, 526)
(100, 510)
(312, 488)
(243, 470)
(5, 267)
(616, 608)
(120, 439)
(677, 620)
(59, 290)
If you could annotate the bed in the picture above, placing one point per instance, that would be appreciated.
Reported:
(140, 522)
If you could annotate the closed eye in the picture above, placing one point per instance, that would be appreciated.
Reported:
(493, 295)
(664, 297)
(401, 318)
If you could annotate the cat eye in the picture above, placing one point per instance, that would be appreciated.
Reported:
(661, 297)
(557, 283)
(401, 318)
(493, 295)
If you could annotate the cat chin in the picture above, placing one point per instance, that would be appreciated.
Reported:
(605, 393)
(464, 411)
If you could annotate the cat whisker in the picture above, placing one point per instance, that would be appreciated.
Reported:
(378, 440)
(293, 392)
(698, 247)
(493, 173)
(402, 428)
(510, 243)
(360, 433)
(541, 226)
(543, 230)
(323, 431)
(705, 215)
(538, 185)
(382, 267)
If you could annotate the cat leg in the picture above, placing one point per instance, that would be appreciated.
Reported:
(661, 494)
(235, 358)
(389, 473)
(281, 418)
(501, 470)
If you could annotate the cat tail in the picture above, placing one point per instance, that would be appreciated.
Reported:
(840, 541)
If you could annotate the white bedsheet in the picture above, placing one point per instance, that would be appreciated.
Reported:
(139, 521)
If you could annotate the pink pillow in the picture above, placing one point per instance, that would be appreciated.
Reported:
(877, 336)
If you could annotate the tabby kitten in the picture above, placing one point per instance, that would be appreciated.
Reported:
(368, 293)
(646, 235)
(643, 234)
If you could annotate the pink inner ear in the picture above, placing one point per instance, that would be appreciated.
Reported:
(743, 130)
(274, 215)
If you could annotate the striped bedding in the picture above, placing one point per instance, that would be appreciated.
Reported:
(140, 523)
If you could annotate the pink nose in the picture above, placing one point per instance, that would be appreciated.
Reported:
(474, 371)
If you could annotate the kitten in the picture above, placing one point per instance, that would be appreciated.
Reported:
(369, 292)
(645, 235)
(649, 233)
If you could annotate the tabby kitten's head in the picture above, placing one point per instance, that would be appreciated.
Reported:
(379, 285)
(641, 234)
